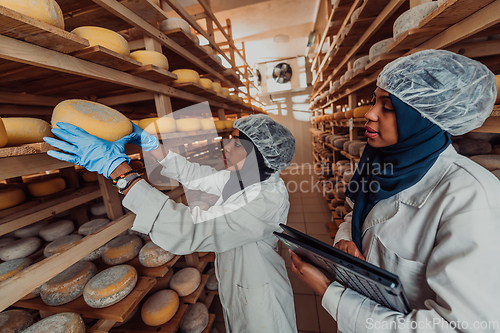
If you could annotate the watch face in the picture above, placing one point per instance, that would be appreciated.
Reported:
(121, 183)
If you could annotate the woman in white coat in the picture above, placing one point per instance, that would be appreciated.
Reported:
(254, 288)
(422, 211)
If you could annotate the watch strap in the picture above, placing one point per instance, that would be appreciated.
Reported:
(129, 182)
(115, 180)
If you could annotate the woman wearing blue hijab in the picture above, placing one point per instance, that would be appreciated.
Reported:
(422, 211)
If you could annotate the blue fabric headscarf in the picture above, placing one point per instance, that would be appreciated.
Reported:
(390, 170)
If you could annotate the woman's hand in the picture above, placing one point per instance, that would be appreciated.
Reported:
(349, 247)
(309, 274)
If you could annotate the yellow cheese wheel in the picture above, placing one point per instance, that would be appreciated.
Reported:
(67, 285)
(25, 130)
(107, 38)
(66, 322)
(234, 97)
(11, 197)
(47, 11)
(186, 75)
(150, 58)
(160, 307)
(110, 286)
(349, 114)
(360, 111)
(228, 123)
(3, 134)
(217, 87)
(20, 248)
(10, 268)
(207, 83)
(498, 90)
(225, 91)
(188, 124)
(220, 124)
(121, 249)
(97, 119)
(12, 321)
(136, 122)
(151, 255)
(207, 124)
(47, 187)
(89, 177)
(186, 281)
(60, 245)
(136, 164)
(339, 115)
(158, 125)
(56, 230)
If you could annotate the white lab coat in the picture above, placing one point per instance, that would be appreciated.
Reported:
(442, 238)
(254, 288)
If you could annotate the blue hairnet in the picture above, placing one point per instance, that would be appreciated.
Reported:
(452, 91)
(273, 140)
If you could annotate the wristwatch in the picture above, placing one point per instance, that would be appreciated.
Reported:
(123, 183)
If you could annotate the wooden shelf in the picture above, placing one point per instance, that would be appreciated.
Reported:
(154, 73)
(209, 257)
(103, 56)
(27, 149)
(160, 271)
(211, 320)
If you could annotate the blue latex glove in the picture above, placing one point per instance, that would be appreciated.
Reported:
(143, 139)
(91, 152)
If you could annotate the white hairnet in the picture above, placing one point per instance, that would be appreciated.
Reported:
(273, 140)
(452, 91)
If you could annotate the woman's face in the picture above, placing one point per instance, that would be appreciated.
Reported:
(381, 127)
(234, 153)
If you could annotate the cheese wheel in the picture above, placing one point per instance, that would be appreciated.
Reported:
(20, 248)
(30, 230)
(47, 11)
(66, 322)
(98, 209)
(228, 123)
(233, 97)
(92, 226)
(67, 285)
(22, 131)
(150, 58)
(162, 282)
(207, 124)
(121, 249)
(94, 118)
(56, 230)
(10, 268)
(104, 37)
(151, 255)
(379, 48)
(206, 83)
(158, 125)
(188, 124)
(195, 319)
(11, 197)
(186, 281)
(47, 187)
(142, 236)
(360, 111)
(217, 87)
(110, 286)
(361, 63)
(6, 240)
(136, 164)
(186, 75)
(349, 114)
(60, 245)
(13, 321)
(339, 115)
(208, 49)
(212, 283)
(160, 307)
(89, 177)
(412, 17)
(175, 23)
(220, 124)
(3, 134)
(94, 255)
(225, 91)
(348, 74)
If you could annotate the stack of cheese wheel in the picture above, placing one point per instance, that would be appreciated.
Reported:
(11, 197)
(160, 307)
(186, 76)
(188, 124)
(195, 319)
(25, 130)
(10, 268)
(30, 230)
(47, 11)
(60, 245)
(20, 248)
(98, 209)
(158, 125)
(110, 286)
(3, 134)
(13, 321)
(104, 37)
(56, 230)
(67, 285)
(207, 124)
(94, 118)
(150, 58)
(360, 111)
(174, 23)
(412, 17)
(121, 249)
(66, 322)
(47, 187)
(185, 281)
(151, 255)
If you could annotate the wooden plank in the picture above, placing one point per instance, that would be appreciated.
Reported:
(209, 257)
(179, 36)
(115, 312)
(211, 320)
(154, 73)
(411, 38)
(103, 56)
(22, 27)
(17, 166)
(90, 14)
(27, 149)
(477, 50)
(491, 125)
(191, 299)
(38, 273)
(48, 209)
(146, 9)
(125, 99)
(111, 198)
(382, 60)
(27, 99)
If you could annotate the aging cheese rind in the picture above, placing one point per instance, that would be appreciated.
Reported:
(151, 255)
(66, 322)
(121, 249)
(160, 307)
(57, 230)
(20, 248)
(186, 281)
(15, 321)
